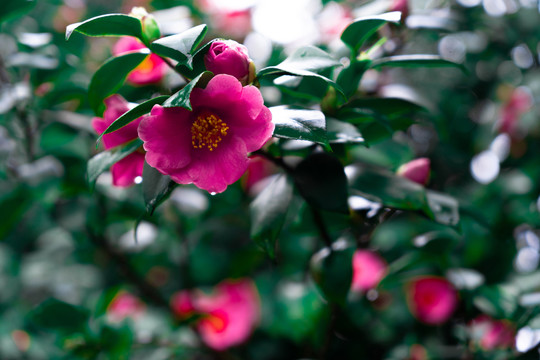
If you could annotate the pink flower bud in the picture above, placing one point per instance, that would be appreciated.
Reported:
(369, 269)
(231, 58)
(492, 334)
(182, 304)
(125, 305)
(150, 28)
(431, 299)
(416, 170)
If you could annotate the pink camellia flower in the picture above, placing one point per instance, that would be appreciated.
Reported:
(150, 71)
(416, 170)
(492, 334)
(368, 270)
(402, 6)
(228, 315)
(230, 18)
(126, 170)
(332, 21)
(208, 146)
(519, 103)
(125, 305)
(258, 174)
(230, 57)
(431, 299)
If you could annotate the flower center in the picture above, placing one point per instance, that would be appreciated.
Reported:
(207, 131)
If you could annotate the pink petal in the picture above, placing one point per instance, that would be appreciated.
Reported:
(432, 299)
(115, 106)
(126, 170)
(166, 133)
(218, 94)
(368, 270)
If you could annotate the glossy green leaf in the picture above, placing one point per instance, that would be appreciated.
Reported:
(108, 25)
(181, 98)
(305, 61)
(268, 212)
(133, 114)
(320, 179)
(382, 186)
(331, 268)
(57, 315)
(180, 47)
(299, 124)
(416, 61)
(10, 9)
(349, 78)
(359, 109)
(156, 187)
(340, 132)
(111, 76)
(102, 161)
(361, 29)
(197, 62)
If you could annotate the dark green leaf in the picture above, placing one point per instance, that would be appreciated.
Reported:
(10, 9)
(362, 28)
(416, 61)
(332, 271)
(102, 161)
(180, 47)
(340, 132)
(300, 124)
(384, 187)
(268, 212)
(181, 98)
(156, 188)
(18, 202)
(57, 315)
(108, 25)
(304, 62)
(110, 77)
(378, 107)
(349, 78)
(197, 62)
(132, 114)
(321, 180)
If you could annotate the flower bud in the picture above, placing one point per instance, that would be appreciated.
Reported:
(231, 58)
(368, 270)
(416, 170)
(150, 28)
(431, 299)
(492, 334)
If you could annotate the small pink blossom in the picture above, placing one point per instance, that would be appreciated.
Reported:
(416, 170)
(333, 20)
(492, 334)
(431, 299)
(126, 170)
(209, 145)
(369, 269)
(227, 18)
(125, 305)
(519, 103)
(228, 315)
(150, 71)
(258, 174)
(417, 352)
(230, 57)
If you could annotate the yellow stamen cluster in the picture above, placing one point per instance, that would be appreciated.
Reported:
(207, 131)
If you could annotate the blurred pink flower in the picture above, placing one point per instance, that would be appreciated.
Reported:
(150, 71)
(208, 146)
(431, 299)
(227, 20)
(125, 305)
(230, 57)
(333, 20)
(492, 334)
(519, 102)
(416, 170)
(369, 268)
(402, 6)
(228, 315)
(417, 352)
(126, 170)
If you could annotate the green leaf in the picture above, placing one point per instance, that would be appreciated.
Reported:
(181, 98)
(110, 77)
(320, 179)
(340, 132)
(180, 47)
(10, 9)
(331, 269)
(102, 161)
(349, 78)
(156, 188)
(416, 61)
(305, 61)
(382, 186)
(108, 25)
(300, 124)
(442, 208)
(268, 212)
(58, 315)
(197, 62)
(133, 114)
(361, 29)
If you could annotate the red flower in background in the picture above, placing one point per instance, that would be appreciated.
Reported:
(369, 268)
(431, 299)
(492, 334)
